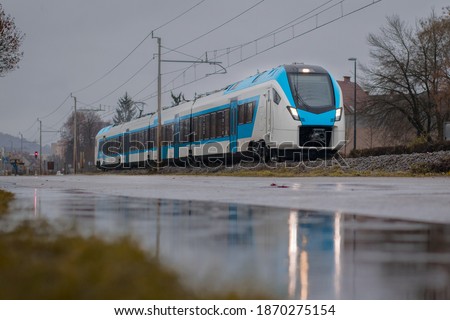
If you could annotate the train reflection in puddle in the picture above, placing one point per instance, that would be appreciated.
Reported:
(279, 252)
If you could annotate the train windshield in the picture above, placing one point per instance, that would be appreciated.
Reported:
(312, 92)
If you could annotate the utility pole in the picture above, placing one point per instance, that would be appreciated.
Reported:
(75, 160)
(158, 131)
(40, 147)
(354, 104)
(40, 144)
(21, 142)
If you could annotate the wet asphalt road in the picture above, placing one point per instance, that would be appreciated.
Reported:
(288, 251)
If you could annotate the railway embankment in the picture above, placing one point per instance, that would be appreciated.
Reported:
(432, 163)
(416, 163)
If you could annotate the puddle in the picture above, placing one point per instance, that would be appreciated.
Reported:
(287, 254)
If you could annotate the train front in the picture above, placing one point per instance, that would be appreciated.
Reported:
(315, 106)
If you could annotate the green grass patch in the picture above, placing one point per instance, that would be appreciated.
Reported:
(5, 198)
(39, 261)
(296, 172)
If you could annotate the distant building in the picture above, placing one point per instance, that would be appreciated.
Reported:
(58, 149)
(366, 135)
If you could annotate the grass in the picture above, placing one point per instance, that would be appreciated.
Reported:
(286, 172)
(295, 169)
(37, 261)
(5, 198)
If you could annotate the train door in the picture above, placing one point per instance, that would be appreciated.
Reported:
(233, 125)
(268, 112)
(126, 147)
(176, 137)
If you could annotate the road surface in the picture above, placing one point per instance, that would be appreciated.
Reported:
(418, 199)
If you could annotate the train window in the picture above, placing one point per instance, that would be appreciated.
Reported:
(312, 91)
(201, 127)
(245, 113)
(184, 130)
(136, 141)
(130, 140)
(195, 131)
(187, 129)
(207, 126)
(226, 130)
(120, 144)
(219, 124)
(241, 113)
(151, 138)
(100, 146)
(112, 147)
(276, 96)
(163, 135)
(166, 135)
(141, 140)
(213, 124)
(196, 128)
(249, 112)
(169, 134)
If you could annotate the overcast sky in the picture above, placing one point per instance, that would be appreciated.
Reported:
(69, 44)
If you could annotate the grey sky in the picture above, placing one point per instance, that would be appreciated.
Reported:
(71, 43)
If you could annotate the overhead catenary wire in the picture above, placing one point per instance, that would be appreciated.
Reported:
(57, 108)
(275, 31)
(62, 118)
(207, 33)
(124, 83)
(30, 127)
(288, 24)
(261, 37)
(279, 29)
(136, 47)
(216, 28)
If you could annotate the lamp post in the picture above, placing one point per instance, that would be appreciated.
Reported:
(354, 104)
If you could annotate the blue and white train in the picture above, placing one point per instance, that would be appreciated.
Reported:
(281, 112)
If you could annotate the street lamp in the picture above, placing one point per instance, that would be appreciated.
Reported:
(354, 105)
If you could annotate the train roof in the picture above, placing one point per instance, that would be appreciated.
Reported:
(273, 74)
(278, 74)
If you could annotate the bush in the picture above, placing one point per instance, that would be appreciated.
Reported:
(5, 198)
(413, 148)
(442, 166)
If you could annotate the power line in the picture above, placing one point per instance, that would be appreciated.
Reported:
(135, 48)
(218, 27)
(34, 123)
(175, 50)
(278, 30)
(128, 80)
(62, 118)
(54, 111)
(275, 30)
(148, 85)
(270, 33)
(182, 53)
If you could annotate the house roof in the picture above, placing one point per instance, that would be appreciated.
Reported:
(348, 88)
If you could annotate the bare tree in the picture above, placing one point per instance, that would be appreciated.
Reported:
(408, 77)
(433, 67)
(88, 125)
(10, 40)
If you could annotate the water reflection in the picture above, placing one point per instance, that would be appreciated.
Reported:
(283, 253)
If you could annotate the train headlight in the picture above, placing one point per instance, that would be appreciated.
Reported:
(338, 114)
(293, 112)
